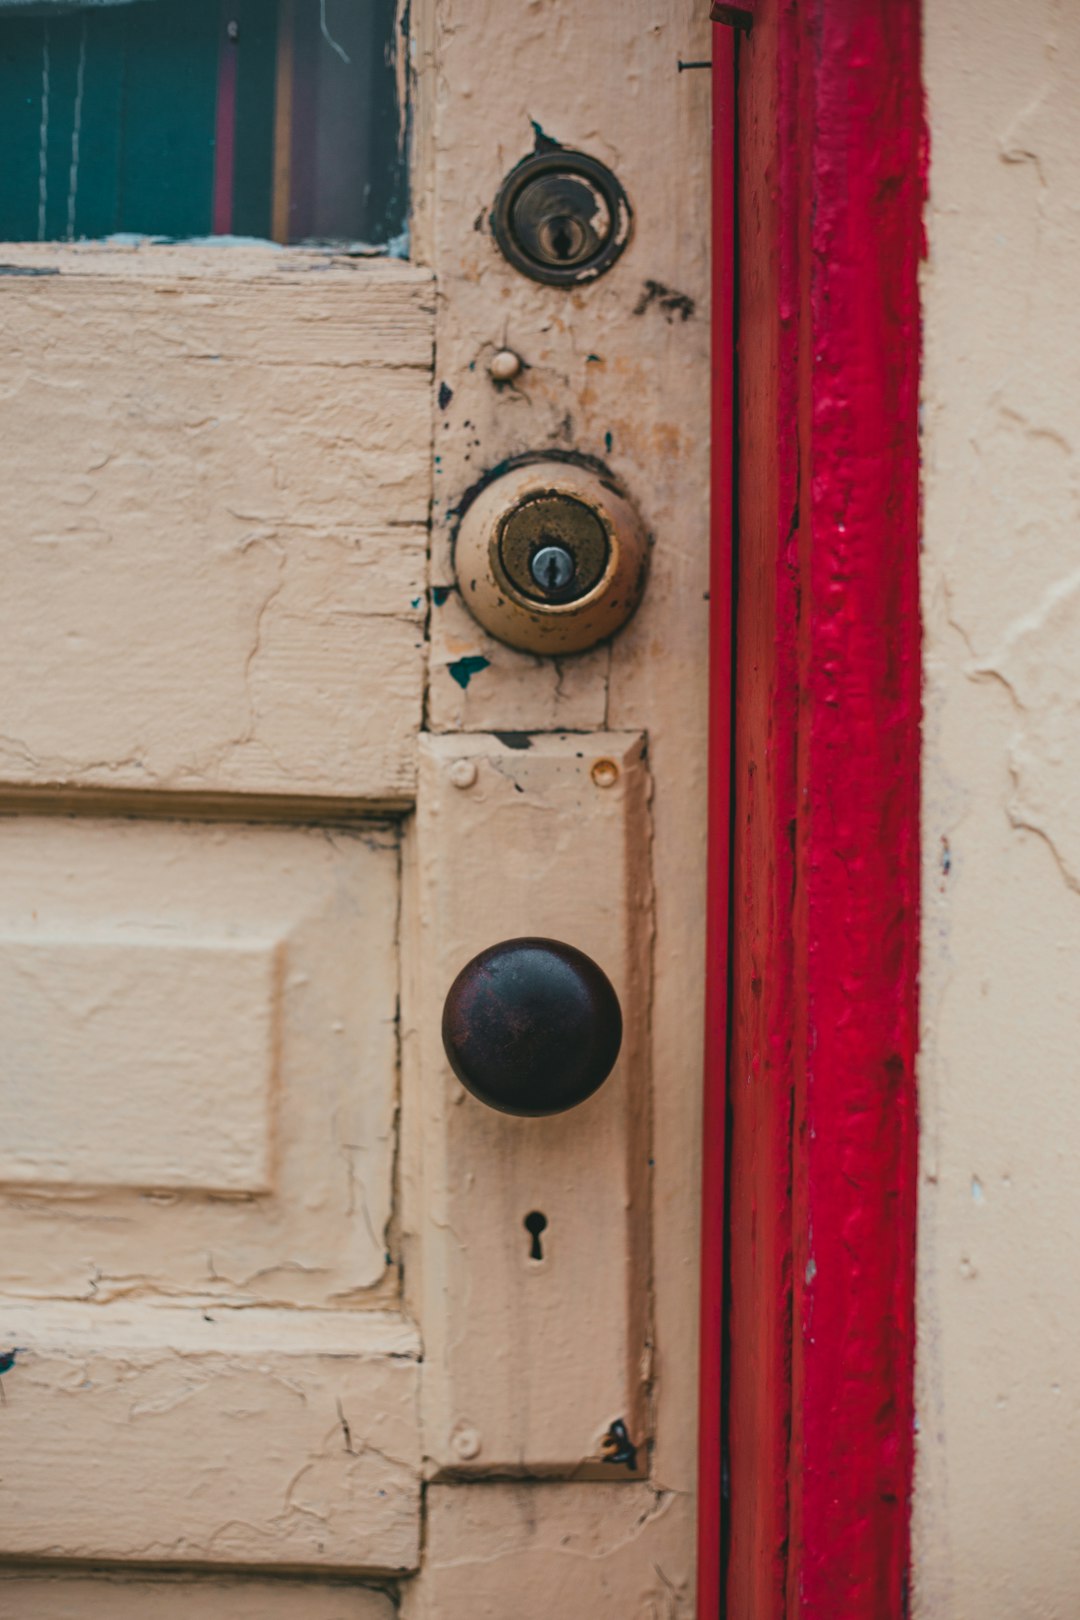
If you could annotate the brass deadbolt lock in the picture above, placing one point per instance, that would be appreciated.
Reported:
(551, 557)
(561, 217)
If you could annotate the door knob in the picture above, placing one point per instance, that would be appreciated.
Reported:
(532, 1026)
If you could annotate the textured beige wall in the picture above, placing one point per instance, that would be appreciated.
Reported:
(997, 1510)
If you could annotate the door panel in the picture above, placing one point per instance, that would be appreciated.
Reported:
(216, 491)
(199, 1086)
(198, 1060)
(160, 1435)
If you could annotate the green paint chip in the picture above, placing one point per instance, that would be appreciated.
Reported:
(462, 670)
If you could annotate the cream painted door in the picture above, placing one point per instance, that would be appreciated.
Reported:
(282, 1344)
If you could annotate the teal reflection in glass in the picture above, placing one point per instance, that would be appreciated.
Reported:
(191, 118)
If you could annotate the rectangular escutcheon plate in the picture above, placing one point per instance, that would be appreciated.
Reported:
(528, 1259)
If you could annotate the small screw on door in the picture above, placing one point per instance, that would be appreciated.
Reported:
(553, 568)
(504, 366)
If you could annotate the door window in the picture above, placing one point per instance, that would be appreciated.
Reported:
(191, 118)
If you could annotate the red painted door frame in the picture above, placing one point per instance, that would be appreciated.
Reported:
(808, 1251)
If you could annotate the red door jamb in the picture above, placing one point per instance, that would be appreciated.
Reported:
(824, 891)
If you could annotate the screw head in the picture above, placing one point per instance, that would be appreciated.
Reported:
(463, 773)
(504, 366)
(466, 1442)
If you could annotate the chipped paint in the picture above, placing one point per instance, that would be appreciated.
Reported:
(463, 669)
(619, 1449)
(672, 303)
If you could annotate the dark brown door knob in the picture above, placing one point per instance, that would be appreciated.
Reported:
(532, 1026)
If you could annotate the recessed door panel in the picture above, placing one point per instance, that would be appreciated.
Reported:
(198, 1076)
(198, 1059)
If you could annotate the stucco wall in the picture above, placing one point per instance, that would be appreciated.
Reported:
(997, 1510)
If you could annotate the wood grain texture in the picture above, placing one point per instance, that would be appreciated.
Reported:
(209, 1439)
(529, 1363)
(759, 1195)
(826, 782)
(215, 527)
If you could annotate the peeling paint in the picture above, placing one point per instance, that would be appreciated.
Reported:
(672, 303)
(618, 1446)
(462, 670)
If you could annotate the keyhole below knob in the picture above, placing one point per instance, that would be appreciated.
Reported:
(534, 1223)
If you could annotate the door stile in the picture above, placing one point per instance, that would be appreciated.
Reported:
(613, 372)
(711, 1505)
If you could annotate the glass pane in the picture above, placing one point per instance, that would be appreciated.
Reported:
(181, 118)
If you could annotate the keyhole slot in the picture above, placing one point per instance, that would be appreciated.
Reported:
(562, 239)
(535, 1223)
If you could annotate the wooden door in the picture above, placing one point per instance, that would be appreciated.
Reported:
(277, 1337)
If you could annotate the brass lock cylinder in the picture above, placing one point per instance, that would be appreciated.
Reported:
(551, 557)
